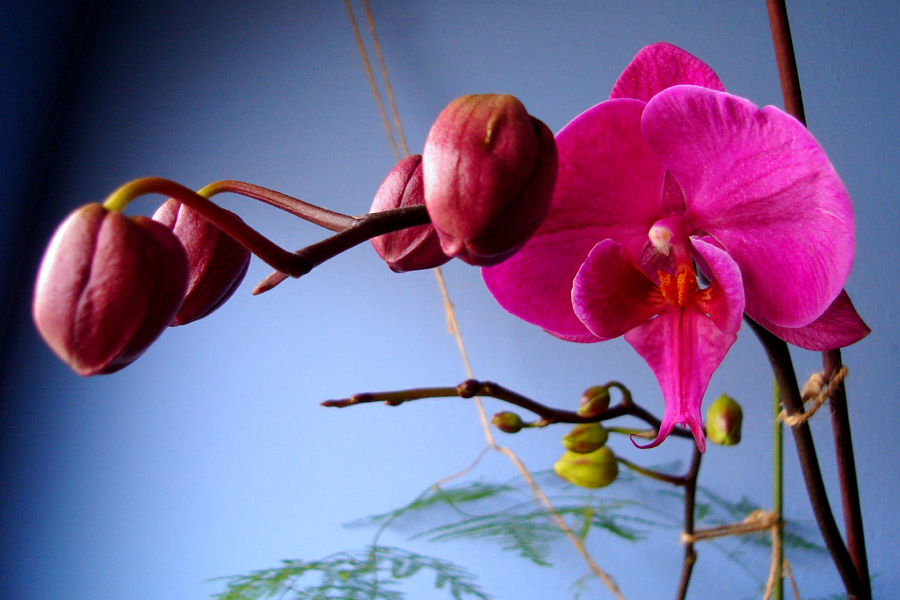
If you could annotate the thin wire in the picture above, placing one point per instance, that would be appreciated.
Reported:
(372, 83)
(387, 82)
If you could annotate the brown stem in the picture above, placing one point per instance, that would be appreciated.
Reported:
(783, 368)
(843, 443)
(690, 499)
(365, 228)
(308, 212)
(471, 388)
(225, 220)
(846, 468)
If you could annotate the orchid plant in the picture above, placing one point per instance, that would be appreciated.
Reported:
(666, 214)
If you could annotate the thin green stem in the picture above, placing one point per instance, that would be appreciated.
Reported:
(678, 480)
(777, 492)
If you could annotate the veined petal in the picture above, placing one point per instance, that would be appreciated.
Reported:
(659, 66)
(609, 185)
(611, 295)
(726, 292)
(838, 326)
(759, 183)
(683, 347)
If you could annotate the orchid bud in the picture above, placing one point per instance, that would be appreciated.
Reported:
(593, 401)
(489, 171)
(585, 438)
(508, 422)
(723, 421)
(413, 248)
(595, 470)
(216, 262)
(107, 287)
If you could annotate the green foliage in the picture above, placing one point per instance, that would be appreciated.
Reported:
(370, 575)
(503, 514)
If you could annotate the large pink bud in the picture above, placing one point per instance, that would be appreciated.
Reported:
(216, 262)
(489, 170)
(107, 287)
(416, 247)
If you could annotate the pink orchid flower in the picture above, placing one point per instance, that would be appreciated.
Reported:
(670, 175)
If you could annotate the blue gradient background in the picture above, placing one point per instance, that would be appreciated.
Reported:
(210, 456)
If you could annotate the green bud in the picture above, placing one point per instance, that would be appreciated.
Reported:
(595, 470)
(723, 421)
(585, 438)
(508, 422)
(593, 401)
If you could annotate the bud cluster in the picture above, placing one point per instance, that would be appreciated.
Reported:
(109, 284)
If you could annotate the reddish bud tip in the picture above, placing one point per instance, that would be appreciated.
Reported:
(413, 248)
(107, 287)
(489, 170)
(216, 262)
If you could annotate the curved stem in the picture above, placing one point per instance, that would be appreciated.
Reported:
(365, 228)
(782, 367)
(225, 220)
(317, 215)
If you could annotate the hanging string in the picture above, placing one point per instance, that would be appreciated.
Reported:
(452, 323)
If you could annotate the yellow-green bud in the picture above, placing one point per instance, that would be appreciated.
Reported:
(593, 401)
(585, 438)
(508, 422)
(723, 421)
(595, 470)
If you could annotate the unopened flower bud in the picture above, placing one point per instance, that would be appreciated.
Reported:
(489, 170)
(595, 470)
(508, 422)
(723, 421)
(107, 287)
(585, 438)
(593, 401)
(413, 248)
(216, 262)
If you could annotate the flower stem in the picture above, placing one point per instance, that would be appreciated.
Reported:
(846, 468)
(690, 500)
(777, 493)
(308, 212)
(225, 220)
(783, 369)
(351, 231)
(365, 228)
(472, 388)
(793, 104)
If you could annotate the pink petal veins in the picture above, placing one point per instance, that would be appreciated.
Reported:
(757, 181)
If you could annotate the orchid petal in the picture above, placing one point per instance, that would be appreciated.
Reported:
(683, 347)
(659, 66)
(611, 295)
(725, 305)
(758, 182)
(609, 185)
(838, 326)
